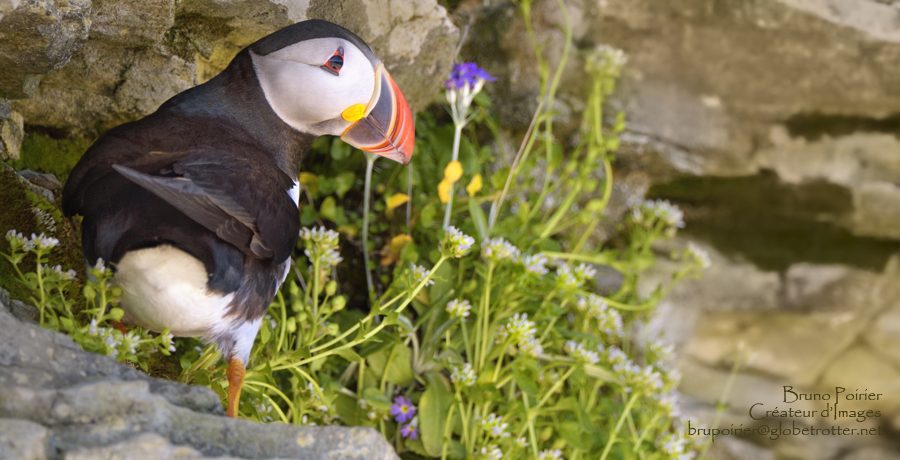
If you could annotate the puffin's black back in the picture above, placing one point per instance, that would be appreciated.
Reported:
(228, 121)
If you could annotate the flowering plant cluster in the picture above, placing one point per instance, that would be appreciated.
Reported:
(89, 315)
(485, 333)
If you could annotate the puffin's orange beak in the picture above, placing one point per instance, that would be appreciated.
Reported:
(387, 129)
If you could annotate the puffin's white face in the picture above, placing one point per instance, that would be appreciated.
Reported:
(328, 86)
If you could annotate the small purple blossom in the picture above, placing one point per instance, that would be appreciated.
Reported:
(408, 431)
(403, 409)
(466, 74)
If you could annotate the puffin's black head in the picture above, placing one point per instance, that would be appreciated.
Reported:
(320, 78)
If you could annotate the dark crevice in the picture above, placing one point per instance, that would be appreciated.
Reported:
(773, 224)
(812, 126)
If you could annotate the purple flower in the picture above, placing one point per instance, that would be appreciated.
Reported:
(466, 74)
(409, 431)
(403, 409)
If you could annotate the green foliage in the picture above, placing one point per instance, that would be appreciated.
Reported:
(43, 153)
(505, 347)
(87, 314)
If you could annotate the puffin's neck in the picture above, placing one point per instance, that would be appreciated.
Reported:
(235, 98)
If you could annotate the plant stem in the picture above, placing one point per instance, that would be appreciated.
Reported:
(619, 423)
(457, 133)
(367, 198)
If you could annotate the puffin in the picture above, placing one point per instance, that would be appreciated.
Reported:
(195, 206)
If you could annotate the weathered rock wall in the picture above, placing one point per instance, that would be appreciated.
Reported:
(775, 125)
(81, 67)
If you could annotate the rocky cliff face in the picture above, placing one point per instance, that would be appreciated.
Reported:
(81, 67)
(774, 124)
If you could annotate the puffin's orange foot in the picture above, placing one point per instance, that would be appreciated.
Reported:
(119, 326)
(235, 375)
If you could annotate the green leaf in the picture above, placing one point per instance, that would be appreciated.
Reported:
(349, 355)
(478, 218)
(433, 407)
(375, 398)
(394, 364)
(343, 182)
(328, 209)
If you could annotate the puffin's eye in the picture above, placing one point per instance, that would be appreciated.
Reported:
(335, 62)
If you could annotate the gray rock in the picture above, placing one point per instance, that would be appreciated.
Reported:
(38, 36)
(12, 132)
(88, 406)
(141, 53)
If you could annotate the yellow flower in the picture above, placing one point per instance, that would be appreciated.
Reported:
(474, 185)
(396, 200)
(453, 171)
(444, 190)
(391, 251)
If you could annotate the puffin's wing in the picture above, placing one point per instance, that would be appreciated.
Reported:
(241, 198)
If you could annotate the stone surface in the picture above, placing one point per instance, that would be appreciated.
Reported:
(88, 406)
(138, 54)
(12, 132)
(36, 37)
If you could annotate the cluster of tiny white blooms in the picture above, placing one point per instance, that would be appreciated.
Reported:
(521, 331)
(613, 58)
(650, 211)
(580, 353)
(15, 239)
(456, 243)
(498, 249)
(490, 453)
(535, 264)
(698, 255)
(463, 375)
(668, 402)
(57, 270)
(608, 320)
(99, 266)
(518, 328)
(44, 242)
(550, 454)
(323, 243)
(585, 272)
(168, 340)
(565, 278)
(675, 446)
(40, 241)
(643, 379)
(521, 441)
(494, 426)
(419, 274)
(459, 308)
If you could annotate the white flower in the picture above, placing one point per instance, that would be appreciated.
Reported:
(456, 243)
(698, 255)
(519, 328)
(458, 308)
(548, 454)
(585, 272)
(535, 264)
(43, 241)
(92, 329)
(494, 426)
(531, 347)
(498, 249)
(649, 211)
(419, 274)
(580, 353)
(521, 441)
(463, 375)
(565, 278)
(323, 244)
(100, 265)
(16, 239)
(608, 319)
(491, 453)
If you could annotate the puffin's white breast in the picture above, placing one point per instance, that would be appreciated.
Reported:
(165, 287)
